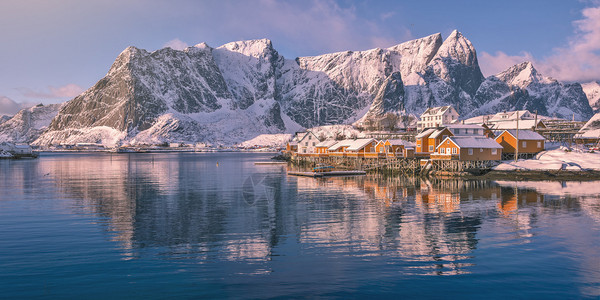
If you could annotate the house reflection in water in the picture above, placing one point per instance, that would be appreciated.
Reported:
(189, 208)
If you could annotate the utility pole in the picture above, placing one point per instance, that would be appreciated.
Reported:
(517, 148)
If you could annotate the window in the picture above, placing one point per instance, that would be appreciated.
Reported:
(539, 144)
(442, 150)
(494, 151)
(431, 148)
(313, 144)
(309, 137)
(524, 144)
(305, 143)
(471, 151)
(453, 150)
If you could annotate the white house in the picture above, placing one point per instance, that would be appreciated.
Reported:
(437, 116)
(308, 143)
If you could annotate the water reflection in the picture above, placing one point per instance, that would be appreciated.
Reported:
(187, 206)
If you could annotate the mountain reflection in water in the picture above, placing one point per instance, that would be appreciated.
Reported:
(187, 207)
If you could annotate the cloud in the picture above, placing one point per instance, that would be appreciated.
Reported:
(578, 60)
(10, 107)
(66, 91)
(309, 26)
(491, 64)
(176, 44)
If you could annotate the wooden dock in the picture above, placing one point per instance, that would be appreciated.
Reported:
(327, 174)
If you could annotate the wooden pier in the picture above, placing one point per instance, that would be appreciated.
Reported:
(328, 174)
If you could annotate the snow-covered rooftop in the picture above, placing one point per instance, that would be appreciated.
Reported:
(326, 143)
(513, 124)
(472, 142)
(399, 142)
(426, 133)
(525, 134)
(340, 144)
(359, 144)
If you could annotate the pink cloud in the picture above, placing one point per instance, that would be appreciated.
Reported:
(10, 107)
(66, 91)
(578, 60)
(176, 44)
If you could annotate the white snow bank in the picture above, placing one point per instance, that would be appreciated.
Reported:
(556, 188)
(267, 140)
(557, 159)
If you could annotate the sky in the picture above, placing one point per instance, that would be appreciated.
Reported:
(51, 51)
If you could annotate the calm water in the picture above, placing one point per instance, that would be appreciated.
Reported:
(217, 225)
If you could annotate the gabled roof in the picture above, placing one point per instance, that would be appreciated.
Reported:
(326, 143)
(359, 144)
(425, 133)
(437, 133)
(436, 111)
(307, 134)
(472, 142)
(511, 115)
(524, 134)
(340, 144)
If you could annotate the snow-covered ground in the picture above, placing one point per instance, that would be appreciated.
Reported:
(556, 159)
(267, 140)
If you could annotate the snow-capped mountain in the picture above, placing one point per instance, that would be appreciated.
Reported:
(28, 123)
(240, 90)
(592, 91)
(523, 87)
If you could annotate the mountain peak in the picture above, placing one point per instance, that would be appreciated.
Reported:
(256, 48)
(522, 75)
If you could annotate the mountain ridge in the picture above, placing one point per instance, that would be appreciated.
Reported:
(239, 90)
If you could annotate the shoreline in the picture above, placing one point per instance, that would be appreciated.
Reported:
(531, 175)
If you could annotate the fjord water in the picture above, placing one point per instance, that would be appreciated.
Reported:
(215, 225)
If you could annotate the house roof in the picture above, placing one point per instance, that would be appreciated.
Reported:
(340, 144)
(326, 143)
(464, 126)
(435, 111)
(525, 134)
(425, 133)
(436, 133)
(472, 142)
(293, 143)
(513, 124)
(359, 144)
(399, 142)
(511, 115)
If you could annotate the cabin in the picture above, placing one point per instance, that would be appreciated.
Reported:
(339, 148)
(401, 148)
(291, 147)
(362, 148)
(530, 142)
(307, 143)
(511, 116)
(437, 116)
(437, 137)
(468, 148)
(422, 142)
(322, 147)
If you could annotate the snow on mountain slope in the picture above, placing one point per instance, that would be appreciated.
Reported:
(240, 90)
(523, 87)
(592, 92)
(28, 123)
